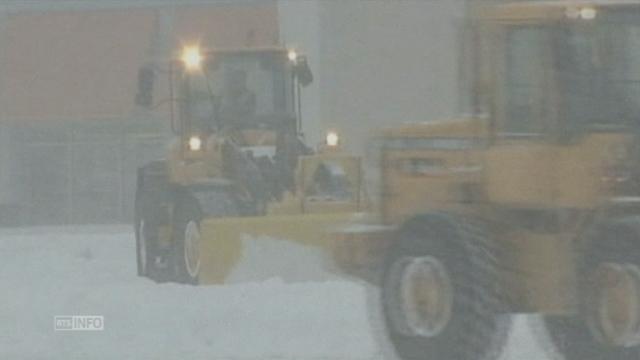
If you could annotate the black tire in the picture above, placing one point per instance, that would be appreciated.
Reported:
(571, 337)
(188, 217)
(150, 213)
(476, 329)
(138, 226)
(151, 260)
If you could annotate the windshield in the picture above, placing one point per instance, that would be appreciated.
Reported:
(599, 70)
(240, 90)
(596, 73)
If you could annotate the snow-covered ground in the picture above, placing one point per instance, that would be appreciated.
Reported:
(280, 304)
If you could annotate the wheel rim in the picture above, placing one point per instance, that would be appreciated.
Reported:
(192, 248)
(613, 308)
(424, 305)
(142, 246)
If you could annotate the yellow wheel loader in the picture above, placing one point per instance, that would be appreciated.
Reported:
(236, 166)
(530, 205)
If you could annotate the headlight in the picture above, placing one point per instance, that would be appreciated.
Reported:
(588, 13)
(192, 58)
(195, 143)
(332, 139)
(581, 13)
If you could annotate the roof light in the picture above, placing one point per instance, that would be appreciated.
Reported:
(192, 58)
(332, 139)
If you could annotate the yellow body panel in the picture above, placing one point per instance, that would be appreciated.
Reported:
(409, 192)
(545, 175)
(434, 129)
(509, 182)
(427, 166)
(580, 169)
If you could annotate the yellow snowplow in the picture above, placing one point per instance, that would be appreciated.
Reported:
(237, 165)
(531, 205)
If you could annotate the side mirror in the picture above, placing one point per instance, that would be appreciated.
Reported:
(146, 78)
(302, 71)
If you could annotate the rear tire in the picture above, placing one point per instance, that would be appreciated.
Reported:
(449, 268)
(613, 250)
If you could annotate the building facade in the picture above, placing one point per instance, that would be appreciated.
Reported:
(71, 136)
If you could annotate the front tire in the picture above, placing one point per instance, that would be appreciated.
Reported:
(608, 324)
(187, 242)
(439, 297)
(150, 214)
(142, 253)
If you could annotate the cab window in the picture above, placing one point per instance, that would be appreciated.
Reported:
(524, 80)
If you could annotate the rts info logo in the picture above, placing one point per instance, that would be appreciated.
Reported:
(79, 323)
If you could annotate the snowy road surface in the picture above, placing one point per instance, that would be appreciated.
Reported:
(294, 310)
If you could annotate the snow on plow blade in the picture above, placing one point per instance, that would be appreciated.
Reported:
(221, 247)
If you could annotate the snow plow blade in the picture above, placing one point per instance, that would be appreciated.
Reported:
(358, 249)
(221, 246)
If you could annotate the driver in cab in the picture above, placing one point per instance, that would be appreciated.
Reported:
(237, 104)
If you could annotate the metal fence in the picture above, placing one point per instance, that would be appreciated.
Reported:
(80, 173)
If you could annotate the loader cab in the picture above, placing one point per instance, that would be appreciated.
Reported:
(572, 75)
(250, 94)
(564, 99)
